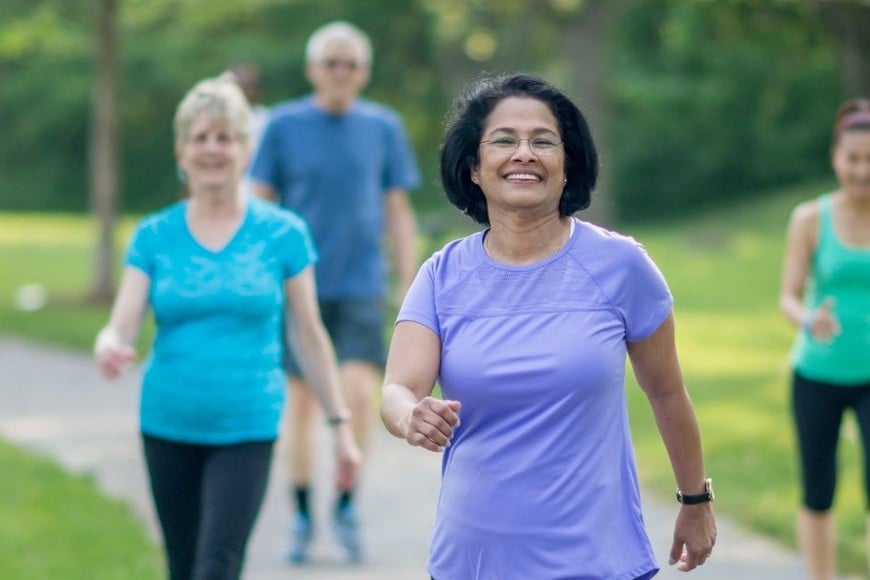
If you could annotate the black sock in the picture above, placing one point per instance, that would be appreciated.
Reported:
(345, 498)
(300, 494)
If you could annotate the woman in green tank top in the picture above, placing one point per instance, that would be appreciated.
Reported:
(826, 293)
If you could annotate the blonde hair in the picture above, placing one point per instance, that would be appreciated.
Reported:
(222, 98)
(339, 31)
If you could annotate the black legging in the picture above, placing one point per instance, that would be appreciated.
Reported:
(818, 412)
(207, 499)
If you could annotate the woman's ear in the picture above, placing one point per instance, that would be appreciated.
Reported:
(474, 177)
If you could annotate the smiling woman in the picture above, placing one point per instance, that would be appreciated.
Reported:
(221, 271)
(824, 292)
(526, 326)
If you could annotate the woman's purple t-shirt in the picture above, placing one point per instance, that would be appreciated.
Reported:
(540, 479)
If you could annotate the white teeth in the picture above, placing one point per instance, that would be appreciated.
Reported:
(523, 177)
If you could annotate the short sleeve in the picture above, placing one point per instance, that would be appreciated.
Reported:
(401, 170)
(419, 303)
(641, 295)
(265, 166)
(140, 250)
(297, 250)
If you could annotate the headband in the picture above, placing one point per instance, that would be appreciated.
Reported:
(853, 120)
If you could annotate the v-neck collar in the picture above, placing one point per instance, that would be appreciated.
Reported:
(230, 240)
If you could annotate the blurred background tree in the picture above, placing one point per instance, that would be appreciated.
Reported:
(848, 22)
(718, 100)
(694, 102)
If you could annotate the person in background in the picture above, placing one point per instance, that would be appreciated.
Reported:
(526, 327)
(825, 293)
(345, 165)
(247, 76)
(219, 271)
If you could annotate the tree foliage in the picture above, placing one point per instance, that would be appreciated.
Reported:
(708, 109)
(703, 100)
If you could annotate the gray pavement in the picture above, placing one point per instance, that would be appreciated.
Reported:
(53, 402)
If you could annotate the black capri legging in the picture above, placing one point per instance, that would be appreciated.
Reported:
(818, 413)
(207, 499)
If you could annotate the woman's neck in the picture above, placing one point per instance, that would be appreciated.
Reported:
(859, 206)
(526, 242)
(216, 204)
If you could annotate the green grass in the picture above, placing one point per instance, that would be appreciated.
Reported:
(723, 268)
(53, 251)
(54, 525)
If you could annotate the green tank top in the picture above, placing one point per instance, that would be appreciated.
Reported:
(842, 273)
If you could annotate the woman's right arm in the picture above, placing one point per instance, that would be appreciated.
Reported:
(407, 408)
(800, 244)
(113, 348)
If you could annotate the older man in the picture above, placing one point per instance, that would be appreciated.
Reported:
(344, 163)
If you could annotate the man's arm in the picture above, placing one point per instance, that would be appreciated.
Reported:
(402, 232)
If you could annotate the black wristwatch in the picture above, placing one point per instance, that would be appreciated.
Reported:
(704, 497)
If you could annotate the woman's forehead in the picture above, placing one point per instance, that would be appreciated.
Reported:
(521, 113)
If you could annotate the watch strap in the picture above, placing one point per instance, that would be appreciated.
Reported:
(703, 497)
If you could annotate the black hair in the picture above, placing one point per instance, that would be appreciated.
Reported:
(459, 150)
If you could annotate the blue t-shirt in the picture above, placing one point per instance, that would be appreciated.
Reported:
(214, 375)
(540, 479)
(333, 170)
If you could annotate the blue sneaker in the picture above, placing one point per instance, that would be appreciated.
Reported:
(300, 539)
(346, 527)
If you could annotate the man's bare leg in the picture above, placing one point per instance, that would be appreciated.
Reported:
(360, 382)
(300, 436)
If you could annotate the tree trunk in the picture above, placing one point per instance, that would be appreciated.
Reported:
(585, 50)
(103, 149)
(848, 22)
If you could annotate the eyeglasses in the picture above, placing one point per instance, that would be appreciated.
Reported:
(334, 63)
(537, 145)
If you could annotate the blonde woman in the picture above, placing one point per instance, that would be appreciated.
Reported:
(220, 271)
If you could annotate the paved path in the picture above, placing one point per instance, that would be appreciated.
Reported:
(54, 402)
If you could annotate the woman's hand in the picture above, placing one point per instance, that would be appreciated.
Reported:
(112, 354)
(822, 323)
(694, 536)
(430, 423)
(347, 457)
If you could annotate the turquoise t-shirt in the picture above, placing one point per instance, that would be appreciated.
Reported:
(214, 375)
(840, 272)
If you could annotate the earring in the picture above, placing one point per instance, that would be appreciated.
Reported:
(474, 178)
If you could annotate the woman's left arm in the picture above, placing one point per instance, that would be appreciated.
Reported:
(316, 356)
(657, 370)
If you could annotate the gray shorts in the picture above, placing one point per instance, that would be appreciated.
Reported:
(356, 327)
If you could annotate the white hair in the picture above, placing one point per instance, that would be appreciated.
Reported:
(222, 98)
(339, 31)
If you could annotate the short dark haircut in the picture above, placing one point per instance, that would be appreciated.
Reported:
(459, 150)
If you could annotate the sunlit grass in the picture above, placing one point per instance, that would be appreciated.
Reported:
(55, 253)
(54, 525)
